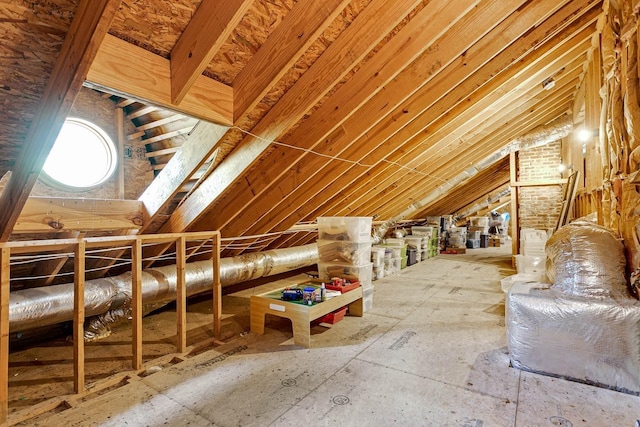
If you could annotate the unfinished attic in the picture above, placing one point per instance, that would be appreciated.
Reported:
(279, 212)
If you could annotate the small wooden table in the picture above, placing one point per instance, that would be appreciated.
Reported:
(299, 314)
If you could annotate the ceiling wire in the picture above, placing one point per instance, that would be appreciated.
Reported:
(341, 159)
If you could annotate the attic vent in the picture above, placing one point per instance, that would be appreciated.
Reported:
(82, 157)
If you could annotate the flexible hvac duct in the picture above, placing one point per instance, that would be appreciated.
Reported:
(483, 204)
(49, 305)
(541, 135)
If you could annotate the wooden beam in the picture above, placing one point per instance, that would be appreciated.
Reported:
(208, 29)
(217, 288)
(181, 295)
(515, 196)
(5, 288)
(163, 152)
(45, 214)
(358, 125)
(78, 316)
(539, 183)
(120, 130)
(353, 44)
(90, 25)
(195, 151)
(142, 111)
(160, 122)
(168, 135)
(51, 267)
(136, 303)
(133, 72)
(302, 25)
(444, 107)
(327, 124)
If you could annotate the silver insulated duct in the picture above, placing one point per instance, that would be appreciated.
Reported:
(541, 135)
(111, 297)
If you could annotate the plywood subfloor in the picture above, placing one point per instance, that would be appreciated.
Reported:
(432, 352)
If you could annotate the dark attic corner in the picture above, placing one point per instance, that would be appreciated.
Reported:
(286, 212)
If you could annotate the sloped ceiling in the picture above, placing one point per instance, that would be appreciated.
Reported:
(329, 107)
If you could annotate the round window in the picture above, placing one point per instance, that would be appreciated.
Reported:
(82, 157)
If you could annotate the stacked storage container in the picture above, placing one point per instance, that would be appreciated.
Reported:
(395, 244)
(377, 259)
(344, 250)
(430, 239)
(415, 242)
(480, 224)
(457, 237)
(533, 242)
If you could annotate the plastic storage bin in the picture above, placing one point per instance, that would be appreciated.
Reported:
(334, 316)
(377, 255)
(351, 228)
(421, 230)
(411, 256)
(473, 243)
(367, 298)
(361, 273)
(344, 251)
(479, 221)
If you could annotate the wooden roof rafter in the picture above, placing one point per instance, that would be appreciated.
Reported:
(324, 126)
(88, 28)
(395, 122)
(497, 86)
(358, 39)
(209, 28)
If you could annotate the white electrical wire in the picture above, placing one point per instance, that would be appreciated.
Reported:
(341, 159)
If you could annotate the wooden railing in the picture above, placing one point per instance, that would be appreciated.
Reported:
(79, 248)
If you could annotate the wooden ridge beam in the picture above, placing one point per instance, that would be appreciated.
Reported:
(132, 72)
(369, 27)
(304, 23)
(45, 214)
(208, 29)
(89, 26)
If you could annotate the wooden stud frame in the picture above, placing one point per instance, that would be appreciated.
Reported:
(79, 247)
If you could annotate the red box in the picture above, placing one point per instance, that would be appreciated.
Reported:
(342, 289)
(334, 316)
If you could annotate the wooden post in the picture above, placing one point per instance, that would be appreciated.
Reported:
(78, 316)
(5, 266)
(136, 307)
(515, 193)
(181, 294)
(120, 126)
(217, 288)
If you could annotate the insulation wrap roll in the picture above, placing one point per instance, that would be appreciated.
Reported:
(587, 260)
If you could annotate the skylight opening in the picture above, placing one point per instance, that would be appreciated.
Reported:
(82, 157)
